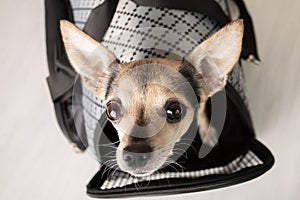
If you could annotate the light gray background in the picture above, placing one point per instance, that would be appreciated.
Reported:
(36, 161)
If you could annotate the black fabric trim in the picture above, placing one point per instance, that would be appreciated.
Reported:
(249, 41)
(60, 86)
(62, 75)
(178, 186)
(99, 19)
(55, 10)
(61, 80)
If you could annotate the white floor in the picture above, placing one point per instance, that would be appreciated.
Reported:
(36, 161)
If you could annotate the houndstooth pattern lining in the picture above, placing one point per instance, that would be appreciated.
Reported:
(82, 9)
(122, 179)
(136, 32)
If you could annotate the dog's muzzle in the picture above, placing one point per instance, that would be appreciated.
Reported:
(136, 155)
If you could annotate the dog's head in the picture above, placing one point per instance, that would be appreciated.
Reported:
(152, 102)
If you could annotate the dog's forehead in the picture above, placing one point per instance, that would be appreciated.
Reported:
(150, 95)
(152, 70)
(151, 78)
(151, 82)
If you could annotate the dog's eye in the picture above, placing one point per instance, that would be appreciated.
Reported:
(113, 110)
(173, 111)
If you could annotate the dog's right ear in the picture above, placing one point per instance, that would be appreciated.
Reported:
(89, 58)
(215, 57)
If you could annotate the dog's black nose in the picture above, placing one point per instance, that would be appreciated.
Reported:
(136, 155)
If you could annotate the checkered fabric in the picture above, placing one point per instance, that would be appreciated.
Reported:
(138, 32)
(82, 9)
(122, 179)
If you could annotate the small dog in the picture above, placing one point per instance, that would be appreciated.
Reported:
(149, 101)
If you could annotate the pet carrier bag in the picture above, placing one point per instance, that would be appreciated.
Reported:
(80, 113)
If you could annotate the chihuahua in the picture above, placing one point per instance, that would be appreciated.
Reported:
(152, 102)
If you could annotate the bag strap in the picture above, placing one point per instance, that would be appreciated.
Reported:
(61, 74)
(61, 82)
(100, 18)
(249, 51)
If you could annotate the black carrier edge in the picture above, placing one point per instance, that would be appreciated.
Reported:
(202, 184)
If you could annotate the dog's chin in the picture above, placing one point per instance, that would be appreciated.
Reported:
(150, 168)
(138, 173)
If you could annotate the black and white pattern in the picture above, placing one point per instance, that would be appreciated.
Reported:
(138, 32)
(122, 179)
(82, 9)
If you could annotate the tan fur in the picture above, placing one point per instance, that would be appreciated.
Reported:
(144, 86)
(89, 58)
(220, 52)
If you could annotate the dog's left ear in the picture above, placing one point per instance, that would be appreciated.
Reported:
(90, 59)
(215, 57)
